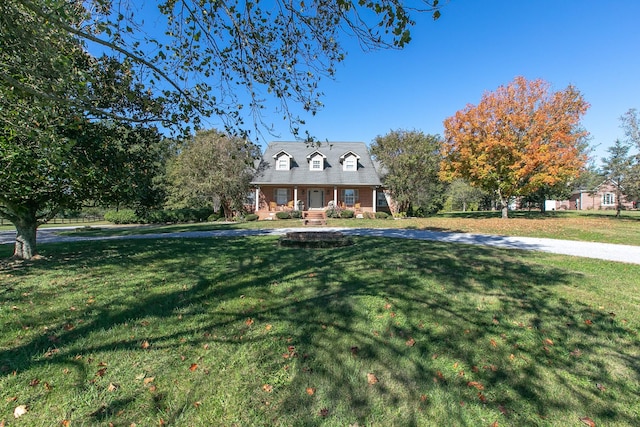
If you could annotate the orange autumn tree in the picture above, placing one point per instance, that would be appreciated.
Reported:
(517, 140)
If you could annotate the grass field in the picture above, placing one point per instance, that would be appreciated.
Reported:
(385, 332)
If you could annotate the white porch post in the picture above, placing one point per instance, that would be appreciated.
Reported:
(257, 199)
(295, 198)
(375, 199)
(335, 196)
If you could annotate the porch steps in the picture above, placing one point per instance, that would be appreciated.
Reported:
(314, 218)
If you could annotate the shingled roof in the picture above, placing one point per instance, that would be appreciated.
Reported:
(332, 174)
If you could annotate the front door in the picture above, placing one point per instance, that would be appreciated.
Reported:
(316, 198)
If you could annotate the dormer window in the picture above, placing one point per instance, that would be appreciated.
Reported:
(349, 161)
(283, 161)
(316, 161)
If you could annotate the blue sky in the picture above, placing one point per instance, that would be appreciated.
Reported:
(475, 47)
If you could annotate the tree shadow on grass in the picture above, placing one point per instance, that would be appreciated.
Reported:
(473, 330)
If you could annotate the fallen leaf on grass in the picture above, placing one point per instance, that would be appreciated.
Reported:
(494, 343)
(475, 384)
(197, 404)
(249, 322)
(20, 411)
(193, 367)
(548, 341)
(411, 342)
(503, 410)
(268, 388)
(324, 412)
(65, 423)
(495, 424)
(600, 387)
(588, 322)
(113, 387)
(101, 372)
(311, 391)
(34, 382)
(588, 421)
(148, 380)
(145, 345)
(482, 397)
(268, 327)
(354, 350)
(371, 378)
(576, 353)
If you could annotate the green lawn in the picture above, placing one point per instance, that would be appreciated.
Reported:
(385, 332)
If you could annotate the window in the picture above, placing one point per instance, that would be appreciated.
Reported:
(608, 199)
(316, 164)
(282, 196)
(350, 196)
(382, 200)
(350, 163)
(283, 163)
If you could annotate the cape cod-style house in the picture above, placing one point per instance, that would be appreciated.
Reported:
(307, 177)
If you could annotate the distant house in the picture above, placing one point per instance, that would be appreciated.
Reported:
(603, 197)
(300, 176)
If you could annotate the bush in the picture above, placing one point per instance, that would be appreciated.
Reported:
(296, 214)
(251, 217)
(122, 216)
(333, 213)
(213, 217)
(346, 213)
(382, 215)
(283, 215)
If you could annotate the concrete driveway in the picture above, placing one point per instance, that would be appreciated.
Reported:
(604, 251)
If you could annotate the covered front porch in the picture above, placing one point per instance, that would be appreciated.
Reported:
(279, 198)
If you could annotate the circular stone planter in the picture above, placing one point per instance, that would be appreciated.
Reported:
(315, 239)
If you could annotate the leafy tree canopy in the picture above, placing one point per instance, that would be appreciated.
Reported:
(194, 58)
(411, 162)
(517, 139)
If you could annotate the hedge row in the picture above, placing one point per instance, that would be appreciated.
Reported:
(129, 216)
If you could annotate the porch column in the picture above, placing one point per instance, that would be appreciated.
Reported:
(375, 199)
(257, 199)
(295, 198)
(335, 196)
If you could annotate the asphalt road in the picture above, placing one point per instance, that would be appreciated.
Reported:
(604, 251)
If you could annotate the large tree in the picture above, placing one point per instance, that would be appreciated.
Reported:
(517, 139)
(213, 168)
(203, 57)
(631, 125)
(70, 125)
(617, 168)
(63, 168)
(411, 161)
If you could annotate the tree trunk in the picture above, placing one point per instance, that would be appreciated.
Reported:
(504, 207)
(25, 247)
